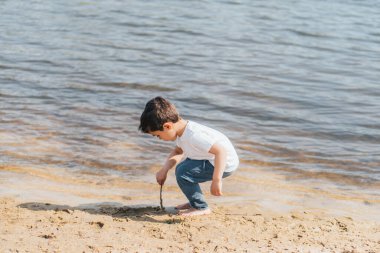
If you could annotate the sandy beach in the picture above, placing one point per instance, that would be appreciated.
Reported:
(103, 213)
(44, 227)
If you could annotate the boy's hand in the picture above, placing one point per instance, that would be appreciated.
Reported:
(216, 187)
(161, 176)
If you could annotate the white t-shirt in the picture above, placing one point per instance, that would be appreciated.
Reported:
(197, 140)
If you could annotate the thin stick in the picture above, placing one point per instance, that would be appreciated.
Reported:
(161, 205)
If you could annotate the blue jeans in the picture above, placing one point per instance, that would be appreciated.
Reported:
(189, 174)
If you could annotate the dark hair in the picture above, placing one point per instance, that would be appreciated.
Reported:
(157, 112)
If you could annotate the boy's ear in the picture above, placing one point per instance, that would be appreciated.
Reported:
(168, 125)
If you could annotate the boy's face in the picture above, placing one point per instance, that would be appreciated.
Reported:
(168, 134)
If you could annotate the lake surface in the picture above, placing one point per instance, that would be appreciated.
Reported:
(294, 84)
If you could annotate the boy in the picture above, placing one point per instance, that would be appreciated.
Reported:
(209, 154)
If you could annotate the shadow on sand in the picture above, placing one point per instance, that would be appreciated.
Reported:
(116, 210)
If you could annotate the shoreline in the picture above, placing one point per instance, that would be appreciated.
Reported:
(267, 189)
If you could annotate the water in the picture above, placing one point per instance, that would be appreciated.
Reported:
(294, 84)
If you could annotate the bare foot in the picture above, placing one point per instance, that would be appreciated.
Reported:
(194, 212)
(183, 206)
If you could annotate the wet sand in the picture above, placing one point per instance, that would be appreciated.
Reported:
(49, 210)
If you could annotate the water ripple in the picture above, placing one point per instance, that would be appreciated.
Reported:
(296, 88)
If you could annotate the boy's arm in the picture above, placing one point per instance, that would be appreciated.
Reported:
(220, 164)
(174, 157)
